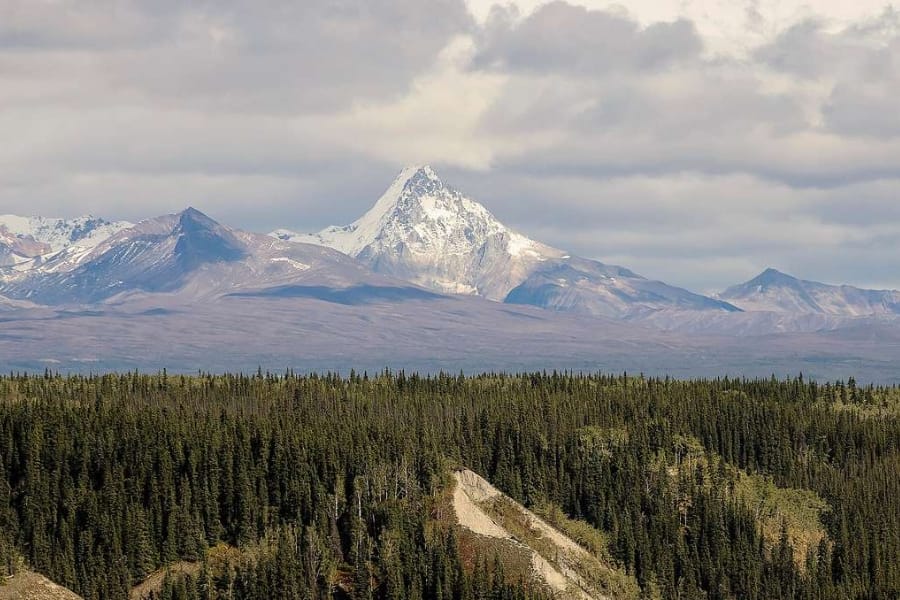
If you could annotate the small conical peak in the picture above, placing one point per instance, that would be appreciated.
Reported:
(191, 219)
(192, 214)
(773, 276)
(768, 279)
(201, 239)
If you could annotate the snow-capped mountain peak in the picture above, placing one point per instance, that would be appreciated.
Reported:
(430, 233)
(51, 243)
(415, 202)
(60, 233)
(423, 214)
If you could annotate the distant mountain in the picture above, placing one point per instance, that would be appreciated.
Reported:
(193, 257)
(185, 292)
(586, 286)
(774, 291)
(426, 232)
(51, 244)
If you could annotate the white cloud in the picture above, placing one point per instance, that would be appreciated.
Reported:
(438, 120)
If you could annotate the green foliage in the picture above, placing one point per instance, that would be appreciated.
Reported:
(329, 487)
(796, 512)
(799, 512)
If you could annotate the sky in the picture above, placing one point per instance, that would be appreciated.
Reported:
(697, 142)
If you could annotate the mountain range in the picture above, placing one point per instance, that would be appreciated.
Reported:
(428, 277)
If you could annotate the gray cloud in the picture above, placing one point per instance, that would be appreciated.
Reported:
(716, 115)
(861, 65)
(674, 108)
(865, 50)
(865, 109)
(272, 57)
(560, 37)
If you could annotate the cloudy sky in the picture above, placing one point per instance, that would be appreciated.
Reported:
(692, 141)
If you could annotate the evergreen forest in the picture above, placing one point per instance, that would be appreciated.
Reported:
(288, 486)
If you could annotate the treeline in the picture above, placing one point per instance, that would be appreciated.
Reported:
(332, 486)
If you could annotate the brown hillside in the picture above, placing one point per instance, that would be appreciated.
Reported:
(531, 546)
(32, 586)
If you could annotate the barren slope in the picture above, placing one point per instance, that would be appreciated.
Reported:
(567, 569)
(32, 586)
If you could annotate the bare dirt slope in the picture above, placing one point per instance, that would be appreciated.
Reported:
(556, 560)
(32, 586)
